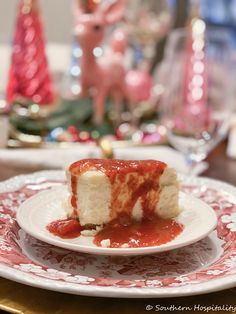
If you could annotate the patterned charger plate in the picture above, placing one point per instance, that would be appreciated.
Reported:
(206, 266)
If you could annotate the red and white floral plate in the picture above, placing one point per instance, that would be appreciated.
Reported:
(206, 266)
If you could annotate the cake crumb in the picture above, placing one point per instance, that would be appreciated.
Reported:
(89, 233)
(106, 243)
(125, 245)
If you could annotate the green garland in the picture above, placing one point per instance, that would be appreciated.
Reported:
(77, 112)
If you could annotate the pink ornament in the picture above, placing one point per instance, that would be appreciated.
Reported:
(139, 84)
(84, 137)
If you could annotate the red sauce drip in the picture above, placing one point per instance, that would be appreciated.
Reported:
(152, 231)
(136, 179)
(65, 228)
(74, 195)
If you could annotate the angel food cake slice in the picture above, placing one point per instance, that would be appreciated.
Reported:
(122, 203)
(103, 190)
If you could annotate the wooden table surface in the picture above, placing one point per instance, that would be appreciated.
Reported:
(220, 166)
(32, 300)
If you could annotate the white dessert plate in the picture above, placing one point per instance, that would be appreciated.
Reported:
(205, 266)
(198, 220)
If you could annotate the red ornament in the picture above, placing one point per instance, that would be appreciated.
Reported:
(74, 133)
(29, 77)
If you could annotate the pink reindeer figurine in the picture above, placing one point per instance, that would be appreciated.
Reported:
(102, 76)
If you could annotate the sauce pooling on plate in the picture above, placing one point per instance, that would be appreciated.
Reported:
(65, 228)
(123, 232)
(151, 231)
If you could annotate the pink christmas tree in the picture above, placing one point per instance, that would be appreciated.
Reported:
(29, 77)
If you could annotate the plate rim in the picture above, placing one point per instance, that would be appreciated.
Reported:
(45, 237)
(10, 273)
(213, 285)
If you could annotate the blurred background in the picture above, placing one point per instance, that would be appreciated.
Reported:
(169, 79)
(57, 19)
(57, 16)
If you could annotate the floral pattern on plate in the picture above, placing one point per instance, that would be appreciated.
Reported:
(211, 258)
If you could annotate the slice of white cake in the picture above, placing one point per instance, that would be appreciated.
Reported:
(101, 190)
